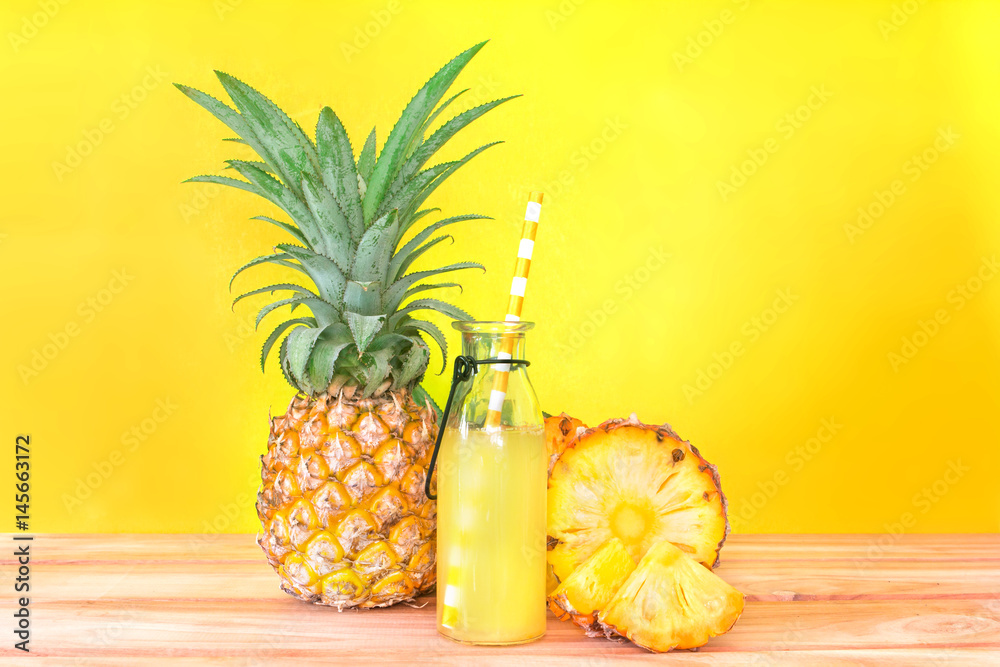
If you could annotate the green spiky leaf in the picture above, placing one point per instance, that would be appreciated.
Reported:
(282, 353)
(286, 146)
(446, 132)
(435, 334)
(280, 329)
(219, 109)
(411, 206)
(299, 345)
(375, 249)
(333, 340)
(291, 229)
(279, 258)
(413, 365)
(347, 219)
(366, 160)
(336, 161)
(390, 160)
(324, 312)
(394, 295)
(272, 289)
(333, 227)
(364, 298)
(270, 188)
(363, 328)
(438, 306)
(322, 270)
(376, 365)
(407, 261)
(396, 268)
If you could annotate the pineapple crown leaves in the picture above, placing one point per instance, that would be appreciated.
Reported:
(349, 217)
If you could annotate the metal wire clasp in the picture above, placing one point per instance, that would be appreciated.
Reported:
(465, 367)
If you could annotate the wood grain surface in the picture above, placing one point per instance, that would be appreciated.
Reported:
(212, 599)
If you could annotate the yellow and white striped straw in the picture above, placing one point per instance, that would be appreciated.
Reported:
(514, 303)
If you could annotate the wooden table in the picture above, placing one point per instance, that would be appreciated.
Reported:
(212, 599)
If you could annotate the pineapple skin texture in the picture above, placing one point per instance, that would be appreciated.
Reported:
(342, 506)
(560, 430)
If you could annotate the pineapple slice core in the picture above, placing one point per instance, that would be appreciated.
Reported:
(629, 523)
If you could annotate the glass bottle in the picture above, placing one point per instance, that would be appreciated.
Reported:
(491, 488)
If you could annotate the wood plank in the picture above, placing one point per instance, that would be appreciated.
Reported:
(845, 658)
(290, 628)
(120, 547)
(227, 547)
(793, 580)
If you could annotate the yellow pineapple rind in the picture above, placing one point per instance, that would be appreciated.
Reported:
(560, 431)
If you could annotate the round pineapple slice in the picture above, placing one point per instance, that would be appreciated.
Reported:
(639, 483)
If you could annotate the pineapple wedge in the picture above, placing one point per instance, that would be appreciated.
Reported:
(591, 586)
(639, 483)
(671, 601)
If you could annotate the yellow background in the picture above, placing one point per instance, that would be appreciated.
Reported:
(630, 129)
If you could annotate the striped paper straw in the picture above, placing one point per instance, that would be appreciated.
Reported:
(517, 288)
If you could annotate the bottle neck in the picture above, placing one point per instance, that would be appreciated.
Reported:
(489, 345)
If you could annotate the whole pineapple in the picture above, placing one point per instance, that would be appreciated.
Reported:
(345, 519)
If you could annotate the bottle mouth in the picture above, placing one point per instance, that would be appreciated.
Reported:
(492, 327)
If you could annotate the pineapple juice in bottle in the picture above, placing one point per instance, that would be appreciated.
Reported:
(491, 536)
(492, 471)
